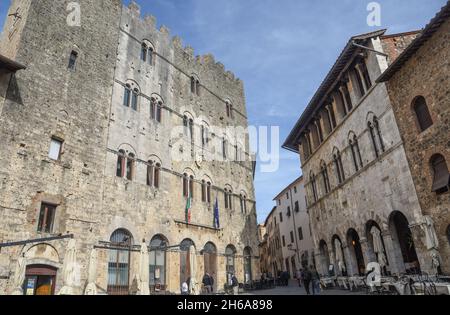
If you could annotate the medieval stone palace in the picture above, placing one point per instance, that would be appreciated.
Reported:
(121, 153)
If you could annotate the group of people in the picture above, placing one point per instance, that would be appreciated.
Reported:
(310, 279)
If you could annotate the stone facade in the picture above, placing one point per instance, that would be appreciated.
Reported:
(426, 73)
(357, 175)
(271, 253)
(296, 236)
(84, 109)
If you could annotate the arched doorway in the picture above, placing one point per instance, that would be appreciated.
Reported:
(119, 262)
(185, 263)
(248, 278)
(356, 251)
(39, 280)
(324, 254)
(403, 239)
(158, 246)
(210, 261)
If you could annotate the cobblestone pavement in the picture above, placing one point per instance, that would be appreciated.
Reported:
(294, 289)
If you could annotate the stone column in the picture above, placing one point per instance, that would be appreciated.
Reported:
(394, 255)
(365, 250)
(423, 254)
(350, 260)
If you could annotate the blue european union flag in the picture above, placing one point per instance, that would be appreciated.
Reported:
(216, 215)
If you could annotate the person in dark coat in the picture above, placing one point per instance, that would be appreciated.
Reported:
(307, 276)
(207, 283)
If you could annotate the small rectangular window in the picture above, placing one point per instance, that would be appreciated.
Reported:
(297, 207)
(284, 241)
(292, 237)
(73, 60)
(300, 234)
(46, 218)
(55, 149)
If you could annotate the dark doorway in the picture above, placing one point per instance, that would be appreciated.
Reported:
(355, 244)
(406, 242)
(40, 280)
(210, 261)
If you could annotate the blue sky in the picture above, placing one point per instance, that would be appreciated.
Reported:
(281, 49)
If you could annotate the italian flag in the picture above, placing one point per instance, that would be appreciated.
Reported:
(188, 210)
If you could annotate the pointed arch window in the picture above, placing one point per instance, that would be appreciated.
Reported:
(130, 166)
(340, 174)
(325, 178)
(375, 135)
(195, 86)
(127, 95)
(153, 174)
(356, 153)
(422, 113)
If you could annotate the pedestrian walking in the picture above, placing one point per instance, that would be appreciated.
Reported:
(307, 280)
(315, 279)
(207, 283)
(300, 277)
(235, 284)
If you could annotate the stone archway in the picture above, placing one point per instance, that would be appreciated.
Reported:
(210, 261)
(356, 253)
(325, 257)
(403, 243)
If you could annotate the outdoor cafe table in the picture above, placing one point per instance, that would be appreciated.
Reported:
(403, 287)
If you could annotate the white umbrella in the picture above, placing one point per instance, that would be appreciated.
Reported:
(19, 276)
(193, 263)
(339, 255)
(144, 271)
(91, 288)
(430, 233)
(71, 270)
(378, 246)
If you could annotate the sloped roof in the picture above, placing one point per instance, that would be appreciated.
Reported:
(291, 141)
(427, 33)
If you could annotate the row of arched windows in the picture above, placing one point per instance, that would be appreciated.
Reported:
(337, 107)
(338, 165)
(119, 261)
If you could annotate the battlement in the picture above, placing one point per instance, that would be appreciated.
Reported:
(150, 22)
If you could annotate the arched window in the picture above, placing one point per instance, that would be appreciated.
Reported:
(144, 52)
(422, 113)
(441, 176)
(356, 153)
(127, 95)
(228, 197)
(134, 99)
(130, 166)
(195, 86)
(121, 158)
(156, 109)
(229, 109)
(150, 56)
(325, 178)
(188, 186)
(339, 167)
(153, 173)
(375, 135)
(205, 135)
(158, 248)
(119, 262)
(243, 200)
(224, 148)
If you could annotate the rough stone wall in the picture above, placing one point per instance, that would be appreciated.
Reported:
(382, 186)
(427, 74)
(48, 100)
(394, 45)
(84, 108)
